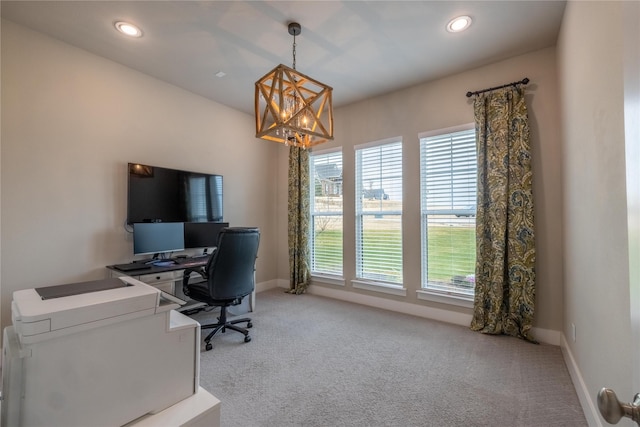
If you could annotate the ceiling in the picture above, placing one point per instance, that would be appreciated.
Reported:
(360, 48)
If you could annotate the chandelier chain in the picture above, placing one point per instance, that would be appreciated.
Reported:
(294, 51)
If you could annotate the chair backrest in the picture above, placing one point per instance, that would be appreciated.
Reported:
(231, 267)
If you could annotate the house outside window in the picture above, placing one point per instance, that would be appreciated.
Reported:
(448, 178)
(379, 212)
(325, 171)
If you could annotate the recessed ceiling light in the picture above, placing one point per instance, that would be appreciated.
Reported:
(221, 74)
(458, 24)
(128, 29)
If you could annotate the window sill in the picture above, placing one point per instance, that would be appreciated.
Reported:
(385, 288)
(445, 298)
(330, 280)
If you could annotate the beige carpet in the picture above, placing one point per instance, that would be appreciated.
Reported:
(315, 361)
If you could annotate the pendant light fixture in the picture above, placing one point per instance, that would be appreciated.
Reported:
(292, 108)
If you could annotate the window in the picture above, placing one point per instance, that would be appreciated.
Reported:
(379, 212)
(325, 171)
(448, 168)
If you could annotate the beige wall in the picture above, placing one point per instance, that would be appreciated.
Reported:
(70, 123)
(590, 55)
(441, 104)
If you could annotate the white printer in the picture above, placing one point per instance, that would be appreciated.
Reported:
(99, 353)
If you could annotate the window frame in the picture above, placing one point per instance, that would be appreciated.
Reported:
(361, 281)
(426, 292)
(323, 276)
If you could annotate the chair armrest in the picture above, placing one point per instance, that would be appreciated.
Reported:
(198, 270)
(187, 274)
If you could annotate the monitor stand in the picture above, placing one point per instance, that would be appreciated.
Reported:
(159, 257)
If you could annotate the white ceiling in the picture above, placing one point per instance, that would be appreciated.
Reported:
(360, 48)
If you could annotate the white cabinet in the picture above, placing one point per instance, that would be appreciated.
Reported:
(165, 281)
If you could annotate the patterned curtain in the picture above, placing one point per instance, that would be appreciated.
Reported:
(505, 249)
(298, 220)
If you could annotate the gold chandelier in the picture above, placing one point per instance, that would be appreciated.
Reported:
(292, 108)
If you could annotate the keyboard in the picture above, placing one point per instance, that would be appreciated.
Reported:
(132, 266)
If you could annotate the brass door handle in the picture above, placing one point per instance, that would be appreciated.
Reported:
(612, 410)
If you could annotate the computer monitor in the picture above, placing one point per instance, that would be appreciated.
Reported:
(157, 237)
(202, 234)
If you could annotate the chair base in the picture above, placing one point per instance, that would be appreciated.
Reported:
(224, 324)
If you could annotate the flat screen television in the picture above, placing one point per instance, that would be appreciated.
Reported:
(157, 237)
(157, 194)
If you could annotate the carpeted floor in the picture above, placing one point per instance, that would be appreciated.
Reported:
(315, 361)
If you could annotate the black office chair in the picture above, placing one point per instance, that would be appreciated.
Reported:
(229, 277)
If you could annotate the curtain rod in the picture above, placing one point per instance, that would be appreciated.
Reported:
(521, 82)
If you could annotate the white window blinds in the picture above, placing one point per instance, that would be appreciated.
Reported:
(326, 213)
(379, 212)
(448, 169)
(197, 201)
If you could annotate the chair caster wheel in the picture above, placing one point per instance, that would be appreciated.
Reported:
(249, 325)
(247, 338)
(208, 347)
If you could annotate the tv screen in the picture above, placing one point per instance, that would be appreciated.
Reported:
(157, 237)
(158, 194)
(202, 234)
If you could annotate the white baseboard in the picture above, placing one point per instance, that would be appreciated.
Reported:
(588, 406)
(547, 336)
(265, 286)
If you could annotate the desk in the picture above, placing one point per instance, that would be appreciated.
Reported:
(169, 279)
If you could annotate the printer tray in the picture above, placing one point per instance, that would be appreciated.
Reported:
(50, 292)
